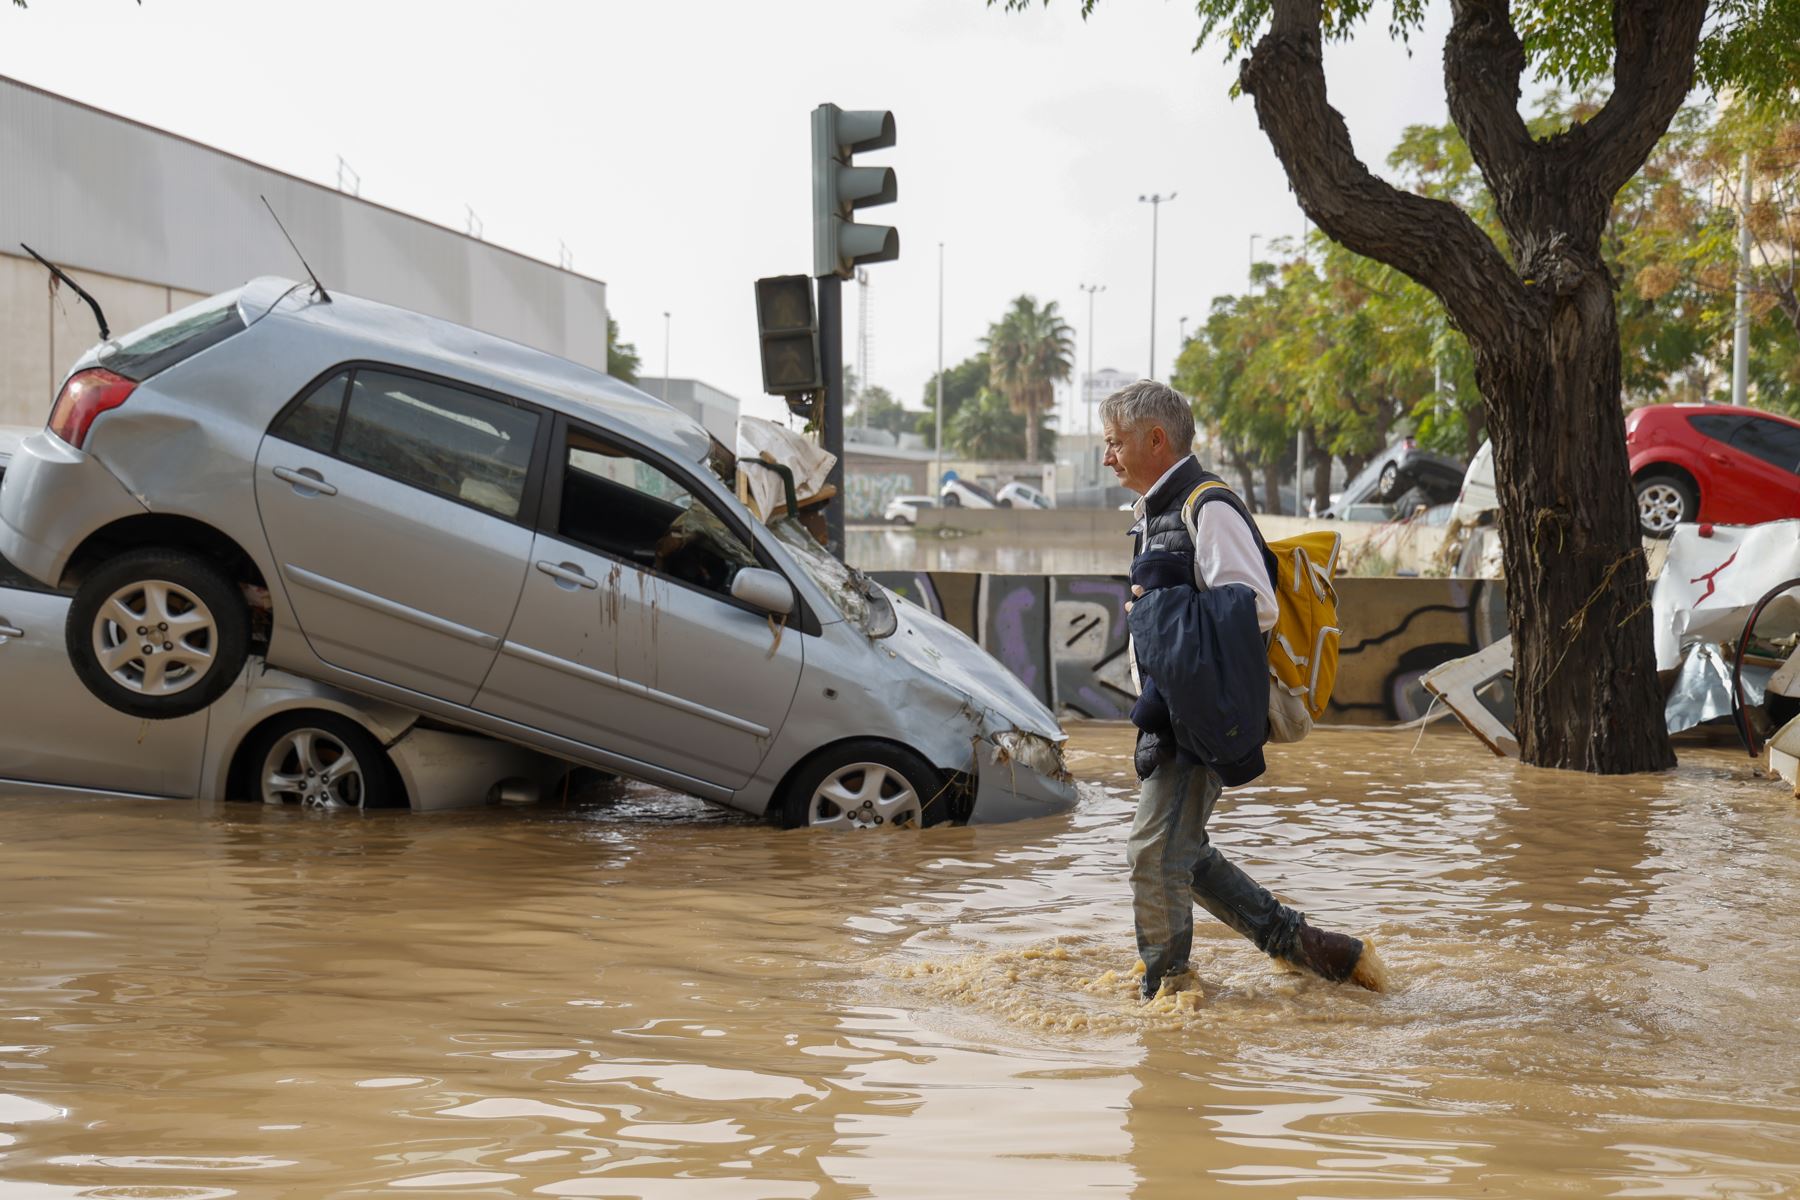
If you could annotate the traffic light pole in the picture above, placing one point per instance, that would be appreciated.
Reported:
(831, 419)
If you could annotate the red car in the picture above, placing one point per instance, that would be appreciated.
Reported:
(1711, 462)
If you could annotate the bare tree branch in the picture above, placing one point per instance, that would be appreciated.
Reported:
(1431, 241)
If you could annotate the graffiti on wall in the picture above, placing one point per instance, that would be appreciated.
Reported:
(1064, 635)
(868, 495)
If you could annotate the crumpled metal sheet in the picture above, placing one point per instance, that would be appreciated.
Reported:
(1702, 688)
(769, 442)
(1709, 584)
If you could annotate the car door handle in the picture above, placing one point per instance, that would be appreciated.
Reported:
(306, 480)
(567, 574)
(9, 631)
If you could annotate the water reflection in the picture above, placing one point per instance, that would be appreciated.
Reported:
(1597, 994)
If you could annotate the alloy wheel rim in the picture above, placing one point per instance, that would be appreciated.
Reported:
(1660, 507)
(314, 769)
(155, 638)
(865, 795)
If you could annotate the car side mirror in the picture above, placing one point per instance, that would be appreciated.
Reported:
(767, 590)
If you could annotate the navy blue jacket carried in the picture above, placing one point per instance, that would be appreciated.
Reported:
(1203, 648)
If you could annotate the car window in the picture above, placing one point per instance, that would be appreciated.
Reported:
(1774, 442)
(1717, 426)
(472, 448)
(618, 503)
(177, 337)
(313, 422)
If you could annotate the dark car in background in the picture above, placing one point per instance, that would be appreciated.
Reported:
(1402, 479)
(1712, 462)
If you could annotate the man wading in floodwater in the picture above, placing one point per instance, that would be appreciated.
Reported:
(1149, 430)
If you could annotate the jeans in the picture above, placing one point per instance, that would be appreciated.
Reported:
(1174, 864)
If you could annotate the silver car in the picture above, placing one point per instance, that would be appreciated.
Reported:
(272, 736)
(501, 539)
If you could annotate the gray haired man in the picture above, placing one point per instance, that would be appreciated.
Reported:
(1149, 431)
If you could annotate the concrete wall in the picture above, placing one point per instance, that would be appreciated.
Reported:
(1370, 548)
(42, 330)
(145, 220)
(1064, 635)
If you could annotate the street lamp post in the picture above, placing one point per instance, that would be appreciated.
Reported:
(1254, 238)
(937, 460)
(1155, 202)
(1087, 384)
(666, 327)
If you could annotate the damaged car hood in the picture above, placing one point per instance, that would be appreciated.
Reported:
(944, 652)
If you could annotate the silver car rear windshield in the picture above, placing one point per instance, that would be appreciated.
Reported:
(156, 347)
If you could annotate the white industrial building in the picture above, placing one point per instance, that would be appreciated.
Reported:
(149, 222)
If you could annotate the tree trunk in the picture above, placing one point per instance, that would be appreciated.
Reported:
(1031, 430)
(1246, 488)
(1577, 586)
(1321, 481)
(1272, 476)
(1544, 330)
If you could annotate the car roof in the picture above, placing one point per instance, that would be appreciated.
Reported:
(430, 343)
(1674, 410)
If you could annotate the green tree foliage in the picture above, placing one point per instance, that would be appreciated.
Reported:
(622, 361)
(962, 383)
(1029, 350)
(986, 427)
(876, 408)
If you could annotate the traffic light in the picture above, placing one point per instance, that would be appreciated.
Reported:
(839, 244)
(789, 332)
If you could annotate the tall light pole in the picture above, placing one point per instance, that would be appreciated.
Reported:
(937, 458)
(1254, 238)
(1740, 339)
(1155, 202)
(666, 327)
(1087, 384)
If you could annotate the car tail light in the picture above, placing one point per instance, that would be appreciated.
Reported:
(87, 394)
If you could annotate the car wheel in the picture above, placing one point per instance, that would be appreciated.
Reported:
(952, 500)
(1390, 479)
(1003, 502)
(1664, 502)
(320, 760)
(866, 785)
(158, 633)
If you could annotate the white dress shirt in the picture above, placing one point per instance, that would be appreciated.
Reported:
(1225, 551)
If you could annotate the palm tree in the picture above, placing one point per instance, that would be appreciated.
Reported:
(1029, 349)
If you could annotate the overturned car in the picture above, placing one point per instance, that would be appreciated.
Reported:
(500, 539)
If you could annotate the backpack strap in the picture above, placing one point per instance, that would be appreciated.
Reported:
(1218, 489)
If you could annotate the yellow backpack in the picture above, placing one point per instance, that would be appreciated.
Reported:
(1303, 646)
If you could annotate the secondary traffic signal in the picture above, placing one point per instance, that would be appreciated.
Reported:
(839, 187)
(789, 333)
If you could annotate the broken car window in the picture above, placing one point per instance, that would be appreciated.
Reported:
(620, 504)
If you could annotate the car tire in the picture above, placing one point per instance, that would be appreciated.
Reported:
(1664, 501)
(1003, 502)
(199, 612)
(952, 500)
(1390, 479)
(319, 760)
(866, 785)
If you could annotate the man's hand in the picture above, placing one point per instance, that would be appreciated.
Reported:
(1135, 591)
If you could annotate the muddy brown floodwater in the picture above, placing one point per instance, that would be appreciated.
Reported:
(1598, 994)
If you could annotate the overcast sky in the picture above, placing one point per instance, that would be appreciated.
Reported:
(667, 145)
